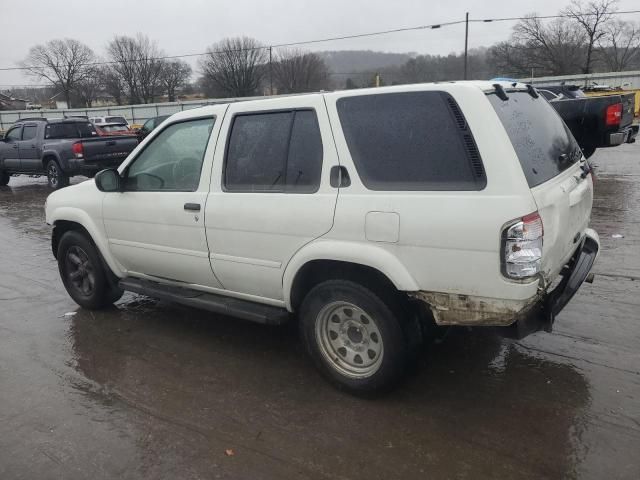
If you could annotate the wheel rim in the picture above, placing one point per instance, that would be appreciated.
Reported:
(52, 173)
(79, 271)
(349, 339)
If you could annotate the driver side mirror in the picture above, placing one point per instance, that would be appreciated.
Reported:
(108, 180)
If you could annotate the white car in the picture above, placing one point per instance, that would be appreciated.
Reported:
(363, 214)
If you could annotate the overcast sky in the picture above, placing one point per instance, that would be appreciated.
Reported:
(188, 26)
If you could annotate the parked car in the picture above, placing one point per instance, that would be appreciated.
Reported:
(364, 214)
(59, 149)
(150, 125)
(106, 120)
(596, 122)
(114, 129)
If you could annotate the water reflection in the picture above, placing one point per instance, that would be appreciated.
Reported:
(477, 405)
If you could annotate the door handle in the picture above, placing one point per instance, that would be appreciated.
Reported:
(195, 207)
(15, 146)
(339, 177)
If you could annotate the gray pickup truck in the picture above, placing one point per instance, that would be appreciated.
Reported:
(59, 149)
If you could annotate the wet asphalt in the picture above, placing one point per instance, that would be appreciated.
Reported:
(153, 390)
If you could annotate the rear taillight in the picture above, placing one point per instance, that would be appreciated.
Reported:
(78, 149)
(522, 247)
(613, 115)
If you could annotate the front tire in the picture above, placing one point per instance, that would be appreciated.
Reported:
(354, 337)
(56, 178)
(83, 273)
(4, 179)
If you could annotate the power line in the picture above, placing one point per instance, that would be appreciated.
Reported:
(337, 38)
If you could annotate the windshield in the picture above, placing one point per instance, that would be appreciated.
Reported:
(542, 141)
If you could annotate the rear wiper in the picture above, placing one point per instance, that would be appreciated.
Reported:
(502, 95)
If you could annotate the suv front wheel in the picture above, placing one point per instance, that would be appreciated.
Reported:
(83, 274)
(354, 337)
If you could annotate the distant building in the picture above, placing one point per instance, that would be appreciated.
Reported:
(10, 103)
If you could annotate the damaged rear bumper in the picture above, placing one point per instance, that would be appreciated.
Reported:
(517, 319)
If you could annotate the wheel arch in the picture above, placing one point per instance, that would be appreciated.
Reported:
(77, 220)
(369, 264)
(49, 155)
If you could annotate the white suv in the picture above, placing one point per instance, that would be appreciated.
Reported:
(365, 214)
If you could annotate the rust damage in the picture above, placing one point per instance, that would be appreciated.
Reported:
(454, 309)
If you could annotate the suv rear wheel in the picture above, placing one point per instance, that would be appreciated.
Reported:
(83, 273)
(55, 176)
(354, 337)
(4, 179)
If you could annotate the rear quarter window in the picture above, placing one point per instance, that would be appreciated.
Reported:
(411, 141)
(542, 141)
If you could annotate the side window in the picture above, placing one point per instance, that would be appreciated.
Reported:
(411, 141)
(15, 134)
(304, 165)
(29, 132)
(173, 160)
(274, 152)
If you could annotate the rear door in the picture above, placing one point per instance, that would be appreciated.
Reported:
(270, 191)
(553, 166)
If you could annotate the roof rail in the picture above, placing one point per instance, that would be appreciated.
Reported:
(31, 119)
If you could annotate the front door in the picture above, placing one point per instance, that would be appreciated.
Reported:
(155, 227)
(10, 151)
(29, 155)
(270, 192)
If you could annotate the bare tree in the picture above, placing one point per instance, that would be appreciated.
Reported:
(174, 75)
(235, 66)
(65, 63)
(593, 17)
(620, 46)
(137, 62)
(88, 89)
(555, 49)
(295, 71)
(113, 84)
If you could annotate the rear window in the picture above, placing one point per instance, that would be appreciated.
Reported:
(411, 141)
(115, 120)
(70, 130)
(543, 143)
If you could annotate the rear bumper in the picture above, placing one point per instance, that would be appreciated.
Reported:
(627, 135)
(541, 316)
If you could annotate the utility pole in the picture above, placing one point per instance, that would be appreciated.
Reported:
(466, 45)
(270, 72)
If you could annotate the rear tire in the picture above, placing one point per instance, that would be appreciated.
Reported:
(83, 273)
(354, 337)
(55, 176)
(4, 179)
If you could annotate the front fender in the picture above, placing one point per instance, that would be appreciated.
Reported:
(95, 230)
(367, 254)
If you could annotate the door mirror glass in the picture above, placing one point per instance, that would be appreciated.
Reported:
(108, 180)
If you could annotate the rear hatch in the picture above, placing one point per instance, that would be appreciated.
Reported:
(555, 171)
(108, 150)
